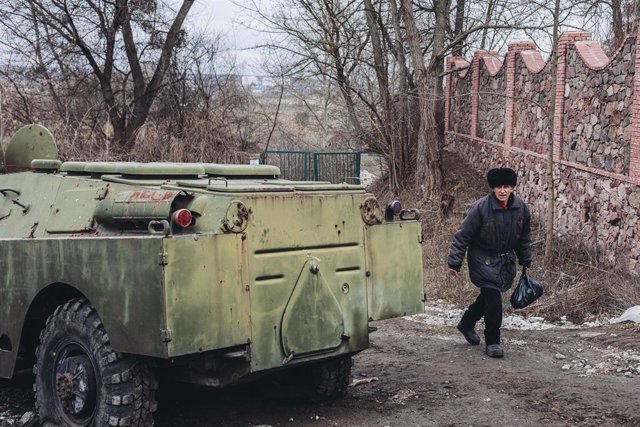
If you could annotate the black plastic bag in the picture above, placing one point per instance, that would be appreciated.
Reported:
(527, 291)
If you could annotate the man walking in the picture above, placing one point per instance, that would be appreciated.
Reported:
(495, 230)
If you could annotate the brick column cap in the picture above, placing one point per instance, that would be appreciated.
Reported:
(484, 53)
(455, 58)
(491, 60)
(574, 36)
(458, 63)
(592, 54)
(520, 46)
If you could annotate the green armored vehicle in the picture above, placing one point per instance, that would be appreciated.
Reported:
(211, 274)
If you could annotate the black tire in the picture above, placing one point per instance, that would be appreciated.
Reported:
(330, 380)
(316, 382)
(81, 381)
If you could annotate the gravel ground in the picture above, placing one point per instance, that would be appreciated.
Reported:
(420, 372)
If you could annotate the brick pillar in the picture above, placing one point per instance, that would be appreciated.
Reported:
(561, 76)
(475, 83)
(512, 53)
(453, 62)
(634, 164)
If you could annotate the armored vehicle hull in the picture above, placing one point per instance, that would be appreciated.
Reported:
(215, 274)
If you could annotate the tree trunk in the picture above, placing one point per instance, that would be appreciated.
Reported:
(459, 27)
(345, 89)
(550, 212)
(146, 94)
(388, 123)
(436, 64)
(405, 118)
(617, 24)
(428, 158)
(491, 4)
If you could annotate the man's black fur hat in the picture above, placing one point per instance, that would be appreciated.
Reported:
(502, 176)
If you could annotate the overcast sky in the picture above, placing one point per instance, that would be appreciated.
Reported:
(223, 16)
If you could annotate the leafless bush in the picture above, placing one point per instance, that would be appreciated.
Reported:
(578, 286)
(222, 124)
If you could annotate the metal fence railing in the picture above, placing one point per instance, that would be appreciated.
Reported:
(308, 166)
(294, 165)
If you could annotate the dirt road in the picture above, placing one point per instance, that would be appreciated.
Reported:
(426, 375)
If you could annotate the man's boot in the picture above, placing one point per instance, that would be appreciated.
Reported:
(494, 350)
(469, 334)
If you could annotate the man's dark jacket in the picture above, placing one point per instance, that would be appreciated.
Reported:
(492, 236)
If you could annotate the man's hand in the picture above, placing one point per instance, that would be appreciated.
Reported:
(454, 274)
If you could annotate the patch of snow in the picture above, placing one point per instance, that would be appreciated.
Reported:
(526, 323)
(439, 313)
(630, 315)
(594, 324)
(367, 178)
(591, 334)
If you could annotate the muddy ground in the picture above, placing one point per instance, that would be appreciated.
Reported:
(422, 375)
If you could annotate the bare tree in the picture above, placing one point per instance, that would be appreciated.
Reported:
(322, 35)
(387, 58)
(611, 20)
(124, 46)
(204, 110)
(430, 168)
(393, 123)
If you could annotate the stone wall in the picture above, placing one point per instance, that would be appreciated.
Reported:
(595, 139)
(491, 98)
(530, 121)
(597, 116)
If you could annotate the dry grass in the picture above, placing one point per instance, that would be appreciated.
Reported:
(575, 285)
(579, 287)
(225, 130)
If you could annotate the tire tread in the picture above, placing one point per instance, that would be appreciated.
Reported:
(127, 392)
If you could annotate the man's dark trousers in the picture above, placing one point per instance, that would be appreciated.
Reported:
(489, 305)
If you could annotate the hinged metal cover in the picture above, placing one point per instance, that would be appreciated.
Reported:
(312, 320)
(73, 208)
(30, 142)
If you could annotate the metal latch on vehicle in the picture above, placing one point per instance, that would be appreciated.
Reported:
(163, 258)
(166, 335)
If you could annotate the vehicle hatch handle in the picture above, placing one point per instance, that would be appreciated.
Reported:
(4, 191)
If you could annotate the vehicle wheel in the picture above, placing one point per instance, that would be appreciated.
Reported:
(81, 381)
(317, 382)
(330, 380)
